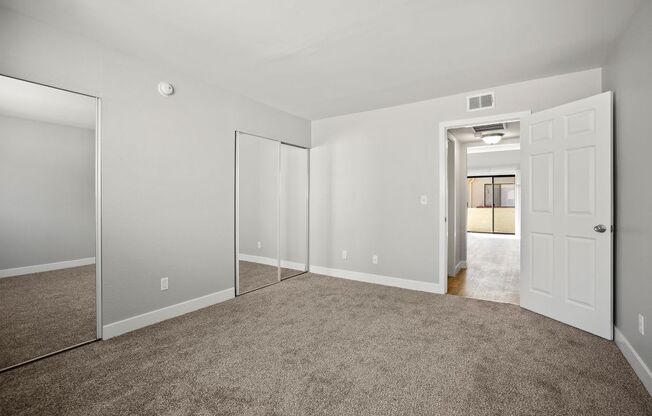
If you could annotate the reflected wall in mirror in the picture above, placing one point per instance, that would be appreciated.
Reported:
(271, 239)
(294, 211)
(258, 183)
(47, 220)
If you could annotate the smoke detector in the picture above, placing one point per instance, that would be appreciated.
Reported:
(165, 88)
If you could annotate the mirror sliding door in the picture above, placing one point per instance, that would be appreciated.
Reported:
(258, 212)
(293, 211)
(49, 216)
(271, 236)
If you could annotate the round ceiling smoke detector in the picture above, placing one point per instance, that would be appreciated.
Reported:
(165, 88)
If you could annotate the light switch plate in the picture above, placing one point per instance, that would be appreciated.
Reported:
(164, 283)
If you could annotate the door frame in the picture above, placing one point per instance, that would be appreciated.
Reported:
(444, 126)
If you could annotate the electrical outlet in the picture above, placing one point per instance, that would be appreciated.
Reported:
(345, 254)
(164, 283)
(641, 324)
(424, 199)
(374, 259)
(259, 244)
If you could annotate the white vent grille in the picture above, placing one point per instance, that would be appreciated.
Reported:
(480, 102)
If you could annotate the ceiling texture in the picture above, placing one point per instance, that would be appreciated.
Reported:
(317, 58)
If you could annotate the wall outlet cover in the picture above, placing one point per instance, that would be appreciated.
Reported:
(164, 283)
(374, 259)
(641, 324)
(345, 254)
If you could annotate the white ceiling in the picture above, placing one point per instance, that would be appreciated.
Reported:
(319, 58)
(467, 134)
(36, 102)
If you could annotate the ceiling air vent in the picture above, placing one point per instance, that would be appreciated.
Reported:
(480, 102)
(489, 127)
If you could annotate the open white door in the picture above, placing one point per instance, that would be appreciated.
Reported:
(566, 243)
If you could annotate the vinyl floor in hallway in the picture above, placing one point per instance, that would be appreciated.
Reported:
(493, 268)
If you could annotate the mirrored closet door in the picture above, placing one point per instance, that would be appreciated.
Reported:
(293, 211)
(257, 222)
(48, 242)
(271, 211)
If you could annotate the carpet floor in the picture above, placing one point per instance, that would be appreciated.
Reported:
(256, 275)
(44, 312)
(315, 345)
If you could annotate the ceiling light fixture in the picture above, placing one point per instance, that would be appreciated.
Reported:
(492, 138)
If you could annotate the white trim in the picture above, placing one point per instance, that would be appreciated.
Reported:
(493, 148)
(38, 268)
(459, 266)
(378, 279)
(272, 261)
(635, 360)
(236, 214)
(444, 126)
(98, 218)
(149, 318)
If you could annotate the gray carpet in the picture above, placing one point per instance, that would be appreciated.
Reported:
(316, 345)
(45, 312)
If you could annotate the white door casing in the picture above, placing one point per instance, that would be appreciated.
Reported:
(566, 168)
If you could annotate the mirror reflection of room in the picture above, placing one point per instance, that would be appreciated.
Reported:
(293, 214)
(47, 220)
(258, 178)
(272, 212)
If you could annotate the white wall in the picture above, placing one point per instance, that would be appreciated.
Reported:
(168, 163)
(628, 74)
(47, 193)
(369, 169)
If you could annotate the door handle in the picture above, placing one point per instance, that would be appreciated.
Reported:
(600, 228)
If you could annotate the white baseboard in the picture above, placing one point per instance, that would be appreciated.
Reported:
(378, 279)
(459, 266)
(272, 261)
(635, 360)
(38, 268)
(153, 317)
